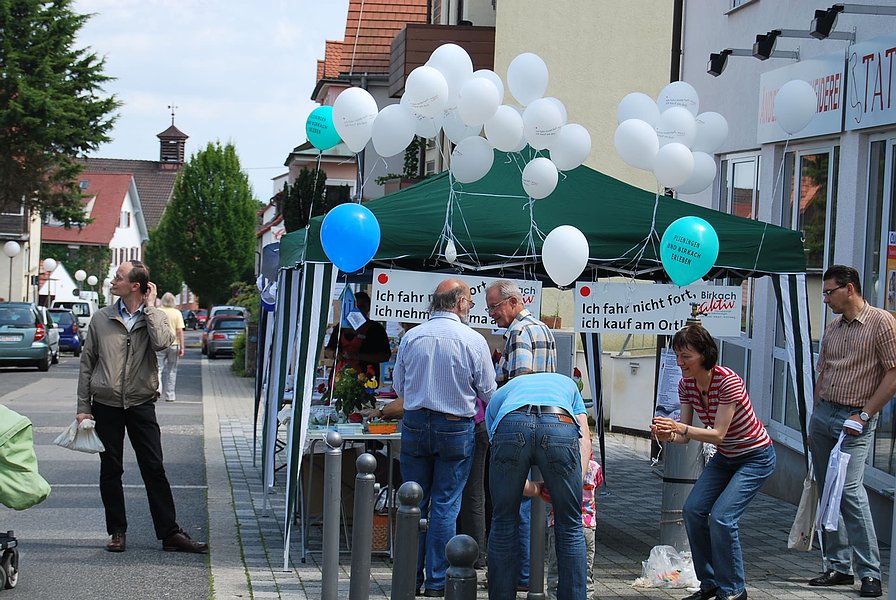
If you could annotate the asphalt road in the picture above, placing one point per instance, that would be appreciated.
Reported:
(61, 541)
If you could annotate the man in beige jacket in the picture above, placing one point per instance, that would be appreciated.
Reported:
(118, 387)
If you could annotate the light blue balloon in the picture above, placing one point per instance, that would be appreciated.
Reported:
(350, 235)
(689, 249)
(320, 129)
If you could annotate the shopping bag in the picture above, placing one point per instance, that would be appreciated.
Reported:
(667, 568)
(803, 528)
(82, 438)
(828, 517)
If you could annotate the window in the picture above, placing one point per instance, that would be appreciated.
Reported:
(808, 204)
(739, 195)
(124, 219)
(16, 213)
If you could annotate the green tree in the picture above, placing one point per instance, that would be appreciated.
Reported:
(304, 199)
(165, 271)
(212, 220)
(51, 109)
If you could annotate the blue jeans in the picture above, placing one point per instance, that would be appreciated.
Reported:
(712, 512)
(436, 452)
(854, 544)
(520, 441)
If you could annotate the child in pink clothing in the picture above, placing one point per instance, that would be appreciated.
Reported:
(594, 478)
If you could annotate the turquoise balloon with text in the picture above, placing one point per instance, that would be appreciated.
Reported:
(689, 249)
(320, 129)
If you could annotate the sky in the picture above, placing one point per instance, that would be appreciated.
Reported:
(237, 71)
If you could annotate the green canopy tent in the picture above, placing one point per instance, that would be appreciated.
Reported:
(496, 228)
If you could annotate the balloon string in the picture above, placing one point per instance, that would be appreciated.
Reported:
(778, 179)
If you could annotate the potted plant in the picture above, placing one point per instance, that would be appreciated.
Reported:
(353, 391)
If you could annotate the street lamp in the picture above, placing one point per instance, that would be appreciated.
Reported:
(49, 266)
(11, 249)
(91, 281)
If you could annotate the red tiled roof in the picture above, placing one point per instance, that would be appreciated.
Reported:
(332, 60)
(154, 181)
(107, 192)
(368, 45)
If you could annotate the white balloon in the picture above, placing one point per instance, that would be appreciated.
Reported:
(427, 91)
(472, 159)
(527, 77)
(393, 130)
(454, 63)
(495, 79)
(679, 93)
(572, 147)
(425, 127)
(636, 143)
(638, 105)
(450, 252)
(712, 130)
(477, 101)
(505, 129)
(541, 123)
(456, 130)
(795, 105)
(564, 254)
(540, 178)
(353, 115)
(702, 177)
(560, 106)
(676, 125)
(673, 165)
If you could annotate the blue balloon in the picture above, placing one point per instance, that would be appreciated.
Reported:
(350, 235)
(689, 249)
(320, 129)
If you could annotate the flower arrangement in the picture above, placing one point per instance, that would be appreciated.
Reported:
(353, 391)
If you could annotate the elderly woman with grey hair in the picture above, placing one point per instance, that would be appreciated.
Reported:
(169, 357)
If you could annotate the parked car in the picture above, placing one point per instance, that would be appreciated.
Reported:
(53, 332)
(83, 310)
(201, 317)
(23, 336)
(69, 333)
(190, 319)
(235, 311)
(221, 333)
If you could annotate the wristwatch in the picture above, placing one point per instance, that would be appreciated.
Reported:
(864, 416)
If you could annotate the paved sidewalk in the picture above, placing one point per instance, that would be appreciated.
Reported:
(247, 538)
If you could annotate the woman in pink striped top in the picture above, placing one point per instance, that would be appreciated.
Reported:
(732, 478)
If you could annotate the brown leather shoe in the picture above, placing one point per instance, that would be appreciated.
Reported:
(117, 543)
(179, 541)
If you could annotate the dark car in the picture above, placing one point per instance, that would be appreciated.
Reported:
(69, 334)
(24, 338)
(190, 319)
(221, 333)
(201, 317)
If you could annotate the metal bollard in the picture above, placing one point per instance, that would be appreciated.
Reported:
(329, 589)
(408, 526)
(683, 465)
(460, 584)
(362, 527)
(536, 544)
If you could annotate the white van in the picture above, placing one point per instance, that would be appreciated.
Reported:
(82, 309)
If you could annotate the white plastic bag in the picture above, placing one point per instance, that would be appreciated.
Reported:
(667, 568)
(828, 517)
(81, 438)
(803, 529)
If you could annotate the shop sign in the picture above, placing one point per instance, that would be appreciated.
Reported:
(825, 74)
(660, 309)
(404, 296)
(871, 67)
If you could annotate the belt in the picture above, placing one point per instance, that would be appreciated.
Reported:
(544, 410)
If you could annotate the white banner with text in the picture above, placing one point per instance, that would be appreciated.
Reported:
(611, 307)
(404, 296)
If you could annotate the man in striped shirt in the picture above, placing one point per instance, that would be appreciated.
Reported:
(856, 379)
(441, 368)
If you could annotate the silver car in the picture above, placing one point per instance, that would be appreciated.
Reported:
(223, 331)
